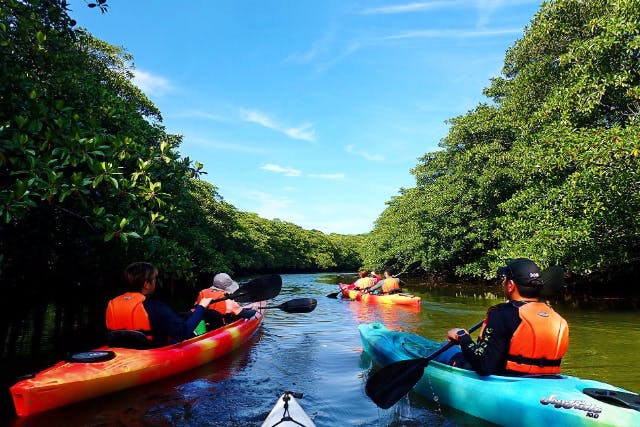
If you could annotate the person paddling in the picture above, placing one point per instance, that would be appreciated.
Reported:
(364, 281)
(522, 336)
(222, 312)
(137, 310)
(376, 277)
(390, 284)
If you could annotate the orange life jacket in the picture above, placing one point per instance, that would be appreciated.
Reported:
(364, 282)
(389, 285)
(127, 312)
(223, 307)
(539, 342)
(220, 306)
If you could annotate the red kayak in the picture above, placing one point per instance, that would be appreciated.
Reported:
(401, 298)
(106, 369)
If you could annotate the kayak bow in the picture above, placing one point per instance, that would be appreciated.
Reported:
(287, 412)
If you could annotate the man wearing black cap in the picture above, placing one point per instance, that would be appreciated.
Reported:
(522, 336)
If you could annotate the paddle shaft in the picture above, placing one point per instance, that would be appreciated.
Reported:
(448, 345)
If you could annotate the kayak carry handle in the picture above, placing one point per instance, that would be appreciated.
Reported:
(294, 394)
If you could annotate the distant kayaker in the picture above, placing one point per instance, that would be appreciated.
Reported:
(390, 284)
(136, 310)
(376, 277)
(364, 281)
(223, 312)
(522, 336)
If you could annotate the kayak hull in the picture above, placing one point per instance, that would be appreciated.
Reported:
(503, 400)
(70, 382)
(287, 412)
(396, 299)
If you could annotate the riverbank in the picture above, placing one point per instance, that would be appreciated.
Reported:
(597, 291)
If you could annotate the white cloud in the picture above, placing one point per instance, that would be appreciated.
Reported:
(326, 51)
(485, 7)
(372, 157)
(257, 117)
(287, 171)
(303, 132)
(150, 84)
(452, 34)
(410, 7)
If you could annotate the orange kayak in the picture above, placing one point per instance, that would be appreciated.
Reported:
(399, 299)
(68, 382)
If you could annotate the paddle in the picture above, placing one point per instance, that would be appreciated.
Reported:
(393, 381)
(259, 289)
(297, 305)
(334, 295)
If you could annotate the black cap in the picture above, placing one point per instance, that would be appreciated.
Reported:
(523, 271)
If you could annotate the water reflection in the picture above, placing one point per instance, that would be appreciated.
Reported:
(394, 316)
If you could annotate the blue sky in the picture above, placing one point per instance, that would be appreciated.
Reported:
(313, 112)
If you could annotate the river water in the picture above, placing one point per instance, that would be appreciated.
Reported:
(318, 354)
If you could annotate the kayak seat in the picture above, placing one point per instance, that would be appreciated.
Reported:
(127, 338)
(213, 319)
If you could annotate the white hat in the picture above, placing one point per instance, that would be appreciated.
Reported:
(224, 282)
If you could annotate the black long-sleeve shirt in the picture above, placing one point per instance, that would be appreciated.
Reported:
(489, 355)
(166, 326)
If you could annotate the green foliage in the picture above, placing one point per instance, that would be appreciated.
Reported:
(90, 180)
(280, 245)
(550, 170)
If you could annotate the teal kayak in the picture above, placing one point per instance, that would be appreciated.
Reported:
(505, 400)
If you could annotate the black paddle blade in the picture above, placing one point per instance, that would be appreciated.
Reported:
(298, 305)
(333, 295)
(387, 386)
(553, 281)
(259, 289)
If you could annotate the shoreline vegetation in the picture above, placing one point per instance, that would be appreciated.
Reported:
(547, 168)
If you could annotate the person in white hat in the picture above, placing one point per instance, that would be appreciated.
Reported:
(223, 312)
(224, 283)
